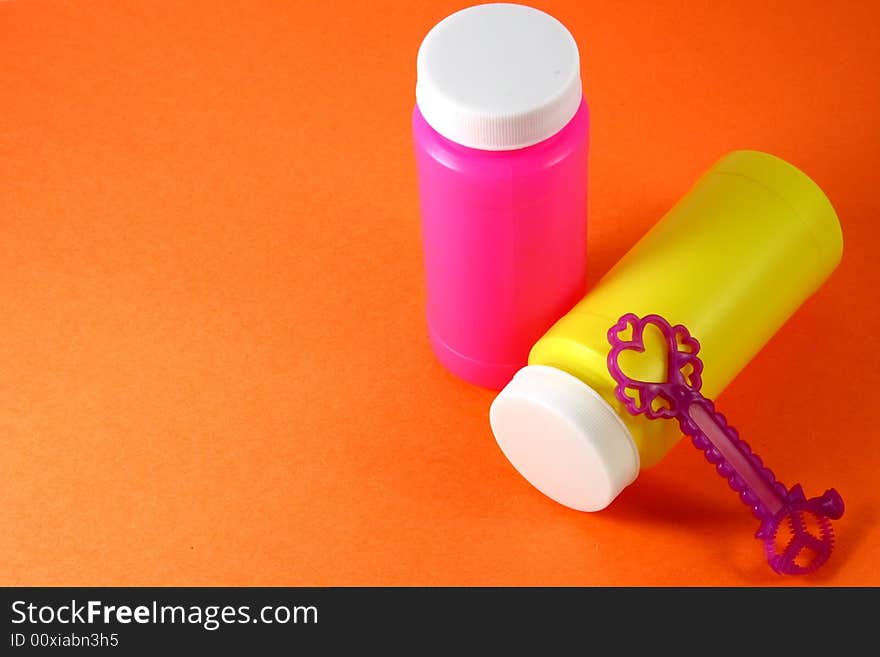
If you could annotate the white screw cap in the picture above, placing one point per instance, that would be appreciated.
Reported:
(564, 438)
(498, 77)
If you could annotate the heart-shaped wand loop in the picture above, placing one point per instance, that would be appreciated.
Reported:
(796, 532)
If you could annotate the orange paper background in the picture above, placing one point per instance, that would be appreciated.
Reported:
(213, 360)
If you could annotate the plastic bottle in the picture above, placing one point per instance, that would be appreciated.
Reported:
(731, 261)
(500, 129)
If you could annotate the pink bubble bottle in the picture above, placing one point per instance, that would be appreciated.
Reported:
(501, 137)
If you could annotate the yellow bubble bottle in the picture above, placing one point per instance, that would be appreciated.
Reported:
(731, 261)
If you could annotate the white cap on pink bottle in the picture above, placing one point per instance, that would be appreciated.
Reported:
(498, 77)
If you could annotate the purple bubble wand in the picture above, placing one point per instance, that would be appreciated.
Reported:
(810, 538)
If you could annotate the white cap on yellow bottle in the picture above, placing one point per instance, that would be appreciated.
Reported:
(564, 438)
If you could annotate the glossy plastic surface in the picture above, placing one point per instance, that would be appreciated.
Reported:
(731, 261)
(504, 236)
